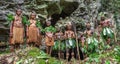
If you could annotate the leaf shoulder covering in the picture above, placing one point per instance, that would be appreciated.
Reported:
(10, 17)
(50, 29)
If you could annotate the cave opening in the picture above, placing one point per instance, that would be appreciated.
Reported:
(66, 12)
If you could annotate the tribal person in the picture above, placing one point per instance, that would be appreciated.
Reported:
(88, 25)
(98, 32)
(59, 45)
(82, 39)
(49, 36)
(70, 40)
(16, 30)
(33, 30)
(90, 39)
(102, 21)
(107, 32)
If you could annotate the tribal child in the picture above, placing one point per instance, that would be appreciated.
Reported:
(59, 45)
(82, 39)
(88, 33)
(98, 32)
(49, 36)
(33, 30)
(98, 29)
(17, 30)
(107, 31)
(70, 42)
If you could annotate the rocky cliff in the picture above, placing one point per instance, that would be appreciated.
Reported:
(79, 11)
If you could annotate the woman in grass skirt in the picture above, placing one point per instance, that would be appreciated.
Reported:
(33, 30)
(17, 29)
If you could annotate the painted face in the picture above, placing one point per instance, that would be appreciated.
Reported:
(88, 24)
(19, 12)
(102, 18)
(88, 28)
(69, 27)
(33, 16)
(48, 23)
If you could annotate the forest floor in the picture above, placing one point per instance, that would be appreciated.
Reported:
(33, 55)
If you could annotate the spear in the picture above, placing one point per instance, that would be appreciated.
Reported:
(76, 38)
(59, 46)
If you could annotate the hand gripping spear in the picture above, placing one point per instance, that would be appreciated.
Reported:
(76, 38)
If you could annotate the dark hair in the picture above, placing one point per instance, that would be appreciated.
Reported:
(82, 35)
(102, 18)
(18, 10)
(72, 28)
(88, 28)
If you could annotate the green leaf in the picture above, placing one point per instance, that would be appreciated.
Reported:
(38, 24)
(10, 17)
(41, 61)
(50, 29)
(19, 62)
(107, 62)
(25, 20)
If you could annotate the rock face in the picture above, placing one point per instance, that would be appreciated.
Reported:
(42, 8)
(79, 11)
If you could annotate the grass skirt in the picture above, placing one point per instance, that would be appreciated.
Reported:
(107, 33)
(18, 35)
(59, 45)
(33, 35)
(92, 44)
(49, 41)
(70, 43)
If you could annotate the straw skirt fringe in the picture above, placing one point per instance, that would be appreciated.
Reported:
(33, 35)
(49, 41)
(18, 35)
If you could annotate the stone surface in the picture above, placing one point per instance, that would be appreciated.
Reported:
(79, 11)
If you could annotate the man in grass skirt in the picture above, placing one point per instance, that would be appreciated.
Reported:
(107, 32)
(59, 44)
(91, 41)
(69, 40)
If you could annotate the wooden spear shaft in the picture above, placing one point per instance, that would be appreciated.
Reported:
(74, 26)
